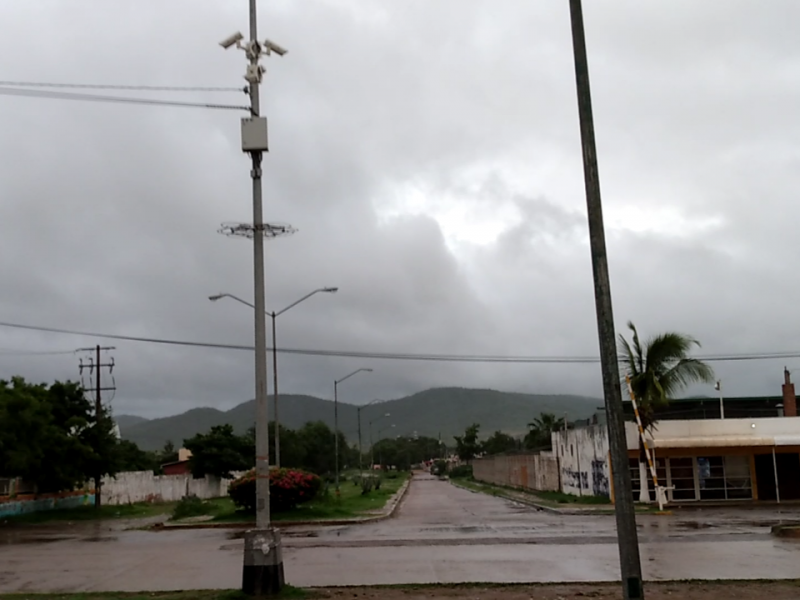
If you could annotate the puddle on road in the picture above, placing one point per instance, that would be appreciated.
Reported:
(98, 538)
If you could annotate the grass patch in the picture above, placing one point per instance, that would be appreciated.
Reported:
(550, 499)
(288, 592)
(90, 513)
(562, 498)
(348, 505)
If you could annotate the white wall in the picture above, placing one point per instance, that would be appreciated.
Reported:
(143, 486)
(583, 457)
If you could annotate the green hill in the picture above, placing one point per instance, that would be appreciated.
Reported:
(445, 411)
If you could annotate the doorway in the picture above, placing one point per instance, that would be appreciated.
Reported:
(788, 469)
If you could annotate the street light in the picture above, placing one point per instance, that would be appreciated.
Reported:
(360, 451)
(336, 383)
(718, 387)
(371, 453)
(273, 315)
(372, 446)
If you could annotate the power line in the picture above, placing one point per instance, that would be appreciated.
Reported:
(7, 352)
(7, 91)
(149, 88)
(474, 358)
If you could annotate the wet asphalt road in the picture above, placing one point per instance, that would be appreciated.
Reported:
(440, 534)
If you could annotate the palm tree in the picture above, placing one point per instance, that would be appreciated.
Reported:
(658, 371)
(539, 431)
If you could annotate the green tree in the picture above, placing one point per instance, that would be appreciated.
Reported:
(403, 452)
(540, 430)
(499, 443)
(51, 436)
(132, 458)
(318, 449)
(658, 370)
(220, 452)
(467, 446)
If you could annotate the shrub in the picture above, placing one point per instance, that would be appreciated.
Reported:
(461, 472)
(190, 506)
(287, 489)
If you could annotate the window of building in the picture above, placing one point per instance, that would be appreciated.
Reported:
(681, 477)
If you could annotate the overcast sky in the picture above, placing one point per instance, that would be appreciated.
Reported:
(428, 152)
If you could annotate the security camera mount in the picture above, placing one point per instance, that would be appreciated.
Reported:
(254, 50)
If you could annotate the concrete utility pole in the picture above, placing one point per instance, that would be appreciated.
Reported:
(262, 573)
(630, 565)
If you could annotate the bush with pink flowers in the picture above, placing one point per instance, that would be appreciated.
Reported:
(287, 489)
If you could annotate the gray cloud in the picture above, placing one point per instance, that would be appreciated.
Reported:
(429, 155)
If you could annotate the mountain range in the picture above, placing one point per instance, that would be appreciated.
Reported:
(439, 411)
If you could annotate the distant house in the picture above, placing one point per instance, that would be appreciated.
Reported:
(180, 466)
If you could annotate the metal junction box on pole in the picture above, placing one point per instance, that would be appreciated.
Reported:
(254, 134)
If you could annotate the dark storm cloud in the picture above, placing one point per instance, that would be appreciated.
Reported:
(109, 212)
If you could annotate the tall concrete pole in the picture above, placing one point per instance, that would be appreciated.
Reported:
(630, 565)
(263, 562)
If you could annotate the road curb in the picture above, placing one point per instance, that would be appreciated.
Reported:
(393, 504)
(534, 504)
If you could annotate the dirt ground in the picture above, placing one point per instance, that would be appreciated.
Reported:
(789, 590)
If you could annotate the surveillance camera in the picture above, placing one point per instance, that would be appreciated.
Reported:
(273, 47)
(231, 40)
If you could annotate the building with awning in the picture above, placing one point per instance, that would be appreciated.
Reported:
(752, 457)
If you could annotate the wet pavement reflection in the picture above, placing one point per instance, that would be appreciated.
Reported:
(441, 533)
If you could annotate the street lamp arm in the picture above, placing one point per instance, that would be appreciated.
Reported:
(338, 381)
(232, 297)
(329, 290)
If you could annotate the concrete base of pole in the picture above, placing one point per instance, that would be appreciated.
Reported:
(262, 574)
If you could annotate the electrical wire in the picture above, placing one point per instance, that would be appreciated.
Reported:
(7, 91)
(6, 352)
(149, 88)
(387, 355)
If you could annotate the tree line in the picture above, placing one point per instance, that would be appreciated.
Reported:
(538, 437)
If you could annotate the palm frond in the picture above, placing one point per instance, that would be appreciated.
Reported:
(684, 373)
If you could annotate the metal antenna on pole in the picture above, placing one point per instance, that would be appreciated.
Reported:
(262, 573)
(630, 564)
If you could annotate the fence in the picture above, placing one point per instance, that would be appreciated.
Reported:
(525, 471)
(17, 497)
(143, 486)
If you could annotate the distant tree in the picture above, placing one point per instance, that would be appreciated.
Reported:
(540, 430)
(658, 370)
(467, 446)
(404, 451)
(317, 443)
(168, 453)
(499, 443)
(220, 452)
(131, 458)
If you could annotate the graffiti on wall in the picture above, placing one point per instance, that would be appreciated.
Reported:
(575, 479)
(600, 485)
